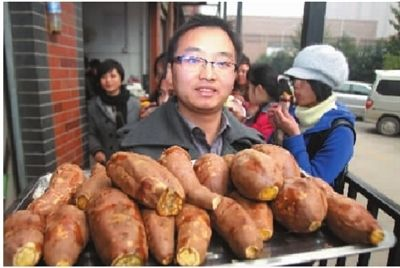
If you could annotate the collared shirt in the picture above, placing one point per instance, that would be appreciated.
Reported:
(199, 137)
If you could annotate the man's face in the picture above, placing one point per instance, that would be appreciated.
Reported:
(200, 87)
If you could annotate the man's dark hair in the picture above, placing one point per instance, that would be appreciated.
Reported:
(204, 21)
(109, 64)
(264, 75)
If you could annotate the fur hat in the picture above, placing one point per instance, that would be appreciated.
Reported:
(323, 63)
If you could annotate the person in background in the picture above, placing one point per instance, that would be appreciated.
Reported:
(202, 58)
(316, 70)
(164, 86)
(108, 112)
(241, 83)
(91, 80)
(264, 90)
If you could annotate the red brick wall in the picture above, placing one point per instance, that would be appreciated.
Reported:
(65, 93)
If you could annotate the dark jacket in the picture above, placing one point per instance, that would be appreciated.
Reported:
(103, 134)
(164, 128)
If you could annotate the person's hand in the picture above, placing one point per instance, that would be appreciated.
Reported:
(236, 107)
(147, 110)
(100, 157)
(283, 120)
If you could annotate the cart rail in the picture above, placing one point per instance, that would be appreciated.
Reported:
(376, 202)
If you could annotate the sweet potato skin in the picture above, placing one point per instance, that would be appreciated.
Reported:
(283, 158)
(351, 222)
(63, 184)
(178, 161)
(194, 235)
(256, 175)
(23, 229)
(160, 231)
(259, 212)
(236, 227)
(213, 172)
(117, 228)
(148, 182)
(66, 236)
(300, 206)
(98, 180)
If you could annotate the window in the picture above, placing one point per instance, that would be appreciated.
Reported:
(389, 88)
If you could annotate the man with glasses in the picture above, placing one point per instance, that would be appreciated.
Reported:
(202, 58)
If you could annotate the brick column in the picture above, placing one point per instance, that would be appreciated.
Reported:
(50, 87)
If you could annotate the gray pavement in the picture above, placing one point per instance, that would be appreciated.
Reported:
(377, 161)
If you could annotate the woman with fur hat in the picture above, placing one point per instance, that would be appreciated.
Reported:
(322, 146)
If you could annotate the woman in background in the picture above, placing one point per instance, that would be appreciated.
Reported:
(110, 111)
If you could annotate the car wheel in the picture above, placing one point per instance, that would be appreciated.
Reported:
(388, 126)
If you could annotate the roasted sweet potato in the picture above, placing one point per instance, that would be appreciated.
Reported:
(283, 158)
(228, 159)
(63, 184)
(148, 182)
(65, 237)
(351, 222)
(194, 234)
(23, 238)
(212, 172)
(259, 212)
(117, 229)
(236, 227)
(96, 181)
(160, 231)
(256, 175)
(178, 161)
(300, 206)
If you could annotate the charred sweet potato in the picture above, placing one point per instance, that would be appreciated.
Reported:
(256, 175)
(23, 238)
(212, 172)
(236, 227)
(228, 159)
(160, 231)
(178, 161)
(194, 234)
(63, 184)
(148, 182)
(259, 212)
(300, 206)
(283, 158)
(65, 237)
(351, 222)
(117, 229)
(96, 181)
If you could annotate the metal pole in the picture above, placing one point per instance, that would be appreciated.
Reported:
(225, 10)
(239, 19)
(313, 23)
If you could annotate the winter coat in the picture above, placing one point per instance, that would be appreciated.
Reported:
(165, 127)
(103, 135)
(262, 123)
(336, 151)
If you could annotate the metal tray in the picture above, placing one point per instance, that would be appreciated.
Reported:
(284, 248)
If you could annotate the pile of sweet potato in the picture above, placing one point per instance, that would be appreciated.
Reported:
(136, 206)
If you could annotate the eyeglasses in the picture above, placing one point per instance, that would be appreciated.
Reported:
(194, 63)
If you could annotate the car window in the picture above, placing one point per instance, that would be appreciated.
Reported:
(361, 90)
(345, 88)
(389, 87)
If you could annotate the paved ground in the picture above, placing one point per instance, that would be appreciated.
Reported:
(377, 161)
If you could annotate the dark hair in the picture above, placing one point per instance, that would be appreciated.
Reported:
(203, 21)
(108, 65)
(163, 60)
(94, 63)
(244, 60)
(264, 75)
(321, 90)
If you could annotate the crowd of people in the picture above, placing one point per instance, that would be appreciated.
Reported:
(211, 99)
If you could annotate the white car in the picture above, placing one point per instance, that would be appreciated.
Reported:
(354, 95)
